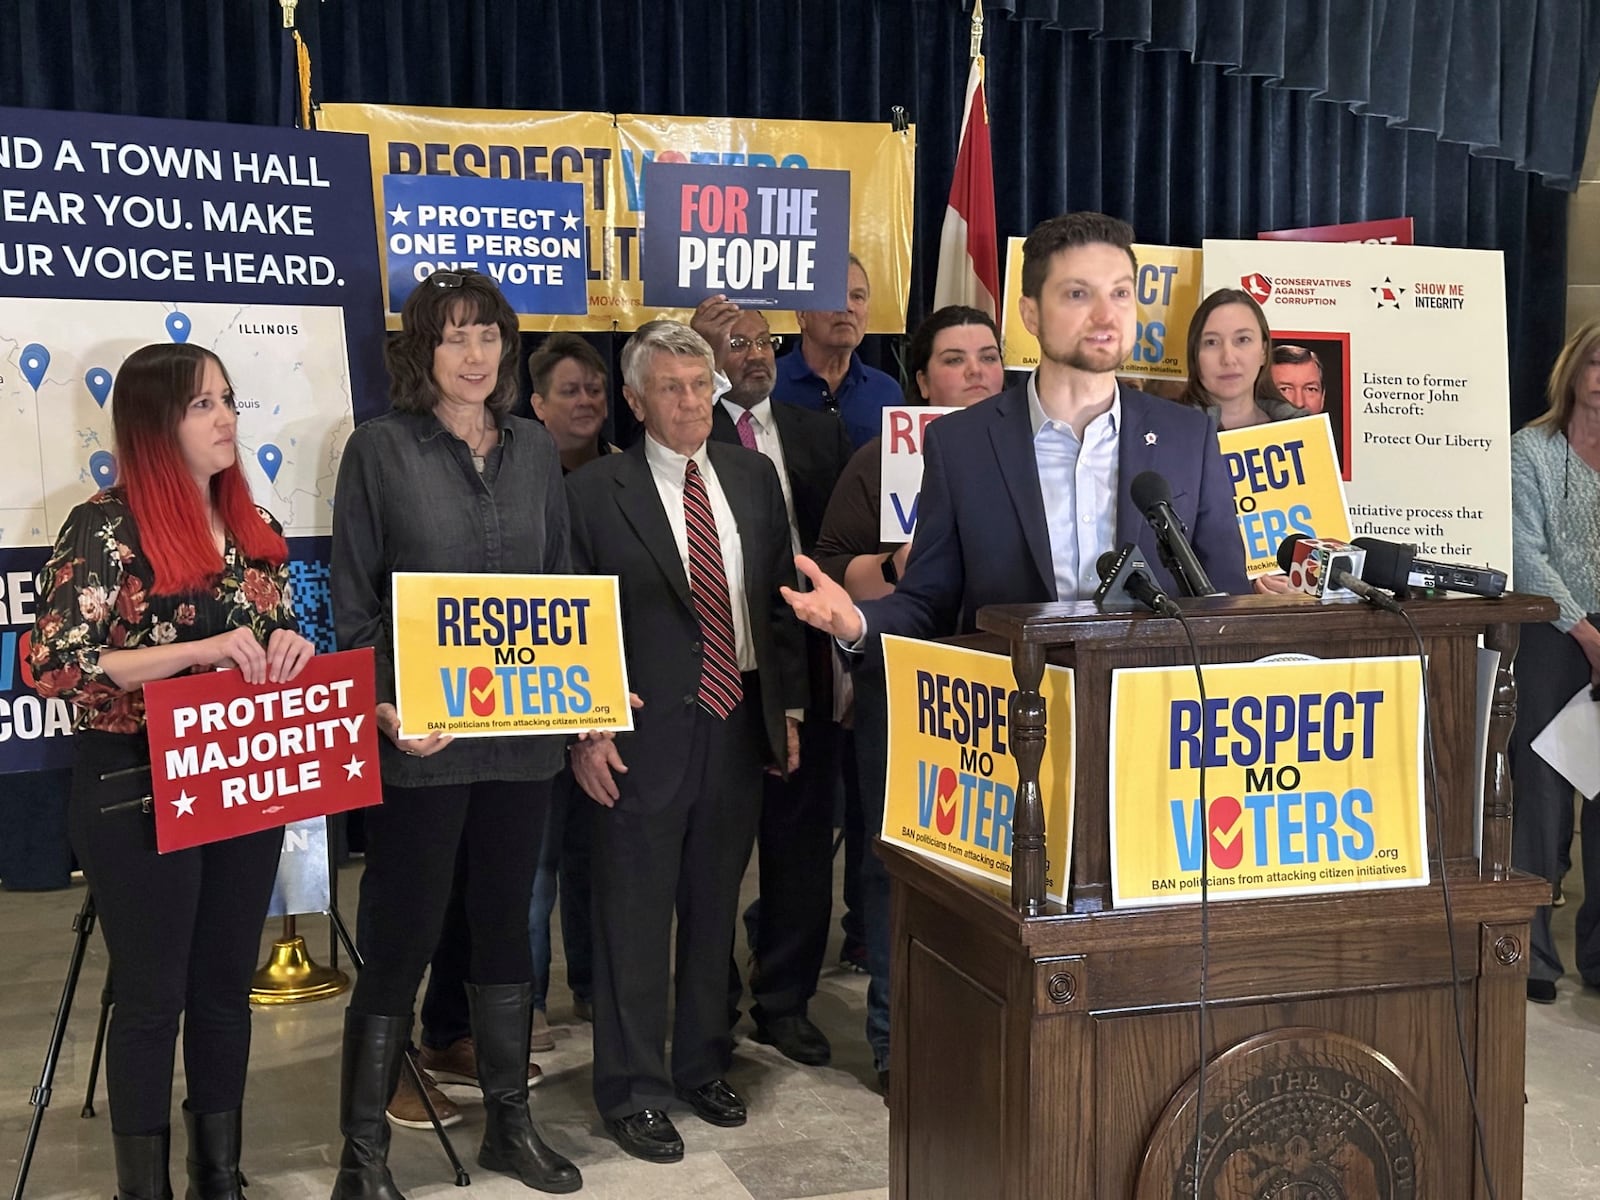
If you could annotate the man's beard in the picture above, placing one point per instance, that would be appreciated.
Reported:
(748, 395)
(1082, 358)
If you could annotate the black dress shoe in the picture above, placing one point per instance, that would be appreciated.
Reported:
(797, 1038)
(1542, 991)
(715, 1102)
(648, 1134)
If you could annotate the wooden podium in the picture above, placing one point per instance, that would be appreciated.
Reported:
(1048, 1052)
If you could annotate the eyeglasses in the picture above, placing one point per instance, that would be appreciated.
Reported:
(767, 341)
(450, 279)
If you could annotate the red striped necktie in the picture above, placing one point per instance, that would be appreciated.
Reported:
(721, 687)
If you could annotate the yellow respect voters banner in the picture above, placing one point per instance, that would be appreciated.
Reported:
(487, 655)
(952, 784)
(609, 155)
(1285, 480)
(1313, 780)
(1168, 284)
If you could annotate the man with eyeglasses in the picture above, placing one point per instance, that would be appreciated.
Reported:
(789, 924)
(826, 374)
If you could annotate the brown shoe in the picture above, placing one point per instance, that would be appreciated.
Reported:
(539, 1036)
(459, 1064)
(406, 1109)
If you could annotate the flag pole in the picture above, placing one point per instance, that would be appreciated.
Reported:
(977, 29)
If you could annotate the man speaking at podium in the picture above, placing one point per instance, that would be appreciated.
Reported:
(1023, 492)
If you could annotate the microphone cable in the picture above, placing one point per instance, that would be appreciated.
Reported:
(1205, 907)
(1449, 912)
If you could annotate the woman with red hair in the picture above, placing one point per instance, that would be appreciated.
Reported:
(172, 571)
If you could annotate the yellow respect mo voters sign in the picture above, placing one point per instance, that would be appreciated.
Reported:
(1313, 780)
(952, 785)
(487, 655)
(1285, 480)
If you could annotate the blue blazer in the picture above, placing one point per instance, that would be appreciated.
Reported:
(981, 535)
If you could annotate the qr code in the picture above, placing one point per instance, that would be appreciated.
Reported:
(312, 602)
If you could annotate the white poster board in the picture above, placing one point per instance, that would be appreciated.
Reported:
(1411, 345)
(903, 428)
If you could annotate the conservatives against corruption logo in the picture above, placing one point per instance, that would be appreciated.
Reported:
(1258, 285)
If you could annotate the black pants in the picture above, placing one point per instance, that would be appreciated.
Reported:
(577, 918)
(413, 841)
(183, 933)
(796, 857)
(872, 764)
(1550, 666)
(688, 852)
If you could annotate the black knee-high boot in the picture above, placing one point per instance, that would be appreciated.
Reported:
(511, 1144)
(213, 1155)
(370, 1067)
(142, 1165)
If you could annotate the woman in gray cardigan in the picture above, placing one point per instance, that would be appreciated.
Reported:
(1555, 525)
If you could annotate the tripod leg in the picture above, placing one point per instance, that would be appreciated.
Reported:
(415, 1072)
(83, 926)
(106, 1000)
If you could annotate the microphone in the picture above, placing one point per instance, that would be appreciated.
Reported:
(1327, 569)
(1395, 565)
(1152, 495)
(1124, 572)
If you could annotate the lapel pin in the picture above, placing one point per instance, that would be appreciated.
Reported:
(1150, 439)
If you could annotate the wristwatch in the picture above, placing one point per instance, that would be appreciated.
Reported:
(890, 575)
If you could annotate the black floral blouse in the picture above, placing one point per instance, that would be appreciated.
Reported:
(94, 596)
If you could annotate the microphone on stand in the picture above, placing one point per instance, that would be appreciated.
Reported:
(1125, 573)
(1152, 496)
(1395, 565)
(1330, 571)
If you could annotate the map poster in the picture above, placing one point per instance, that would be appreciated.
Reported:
(118, 232)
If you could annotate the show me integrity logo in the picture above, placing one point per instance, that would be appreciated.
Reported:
(1313, 780)
(479, 655)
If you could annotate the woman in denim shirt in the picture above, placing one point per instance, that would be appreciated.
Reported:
(446, 481)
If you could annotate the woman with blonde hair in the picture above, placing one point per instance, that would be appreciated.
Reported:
(1555, 521)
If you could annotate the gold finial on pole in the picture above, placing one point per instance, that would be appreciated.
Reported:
(977, 28)
(288, 7)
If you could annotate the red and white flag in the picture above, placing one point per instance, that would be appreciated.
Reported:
(969, 244)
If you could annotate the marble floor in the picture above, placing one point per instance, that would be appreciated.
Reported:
(812, 1133)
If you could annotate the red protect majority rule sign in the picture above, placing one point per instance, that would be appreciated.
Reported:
(229, 758)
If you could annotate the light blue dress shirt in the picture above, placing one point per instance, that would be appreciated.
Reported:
(1078, 480)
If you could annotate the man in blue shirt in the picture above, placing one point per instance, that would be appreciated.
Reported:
(827, 374)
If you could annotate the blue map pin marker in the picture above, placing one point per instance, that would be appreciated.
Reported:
(270, 458)
(35, 362)
(178, 327)
(98, 380)
(103, 466)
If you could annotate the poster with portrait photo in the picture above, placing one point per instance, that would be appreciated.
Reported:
(1311, 370)
(1417, 335)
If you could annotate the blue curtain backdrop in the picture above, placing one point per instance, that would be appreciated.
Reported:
(1192, 118)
